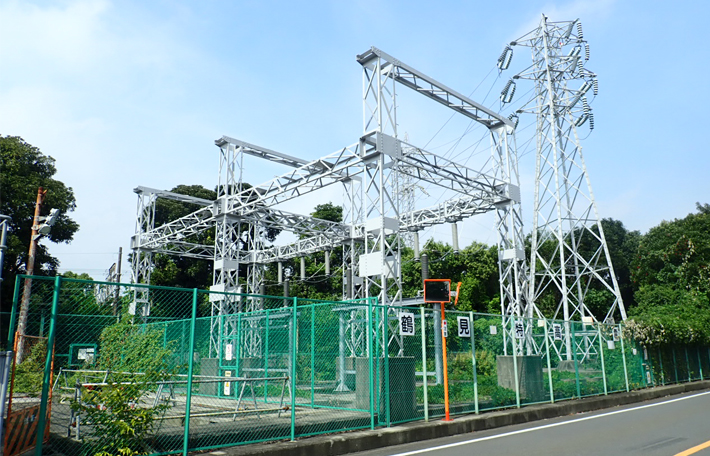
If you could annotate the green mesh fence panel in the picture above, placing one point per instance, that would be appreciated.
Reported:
(252, 368)
(495, 374)
(459, 346)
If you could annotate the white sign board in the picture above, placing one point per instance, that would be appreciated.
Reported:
(519, 329)
(229, 352)
(228, 385)
(610, 344)
(406, 324)
(494, 330)
(464, 325)
(557, 331)
(85, 354)
(445, 328)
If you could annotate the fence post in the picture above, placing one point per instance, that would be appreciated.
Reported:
(266, 358)
(313, 354)
(386, 355)
(13, 315)
(371, 358)
(700, 363)
(190, 371)
(238, 347)
(576, 363)
(473, 360)
(687, 363)
(549, 364)
(675, 365)
(601, 351)
(425, 384)
(623, 358)
(515, 361)
(41, 423)
(293, 368)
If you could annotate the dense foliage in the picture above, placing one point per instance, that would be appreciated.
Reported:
(24, 169)
(671, 277)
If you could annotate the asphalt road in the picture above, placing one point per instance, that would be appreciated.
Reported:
(678, 425)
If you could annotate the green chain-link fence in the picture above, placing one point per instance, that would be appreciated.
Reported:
(160, 370)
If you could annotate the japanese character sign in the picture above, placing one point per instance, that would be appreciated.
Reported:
(406, 324)
(464, 326)
(557, 331)
(519, 329)
(615, 334)
(445, 328)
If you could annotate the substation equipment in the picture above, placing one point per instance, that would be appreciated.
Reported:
(377, 174)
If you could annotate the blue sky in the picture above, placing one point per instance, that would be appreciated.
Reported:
(130, 93)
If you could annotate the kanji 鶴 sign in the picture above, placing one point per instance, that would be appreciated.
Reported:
(519, 329)
(406, 324)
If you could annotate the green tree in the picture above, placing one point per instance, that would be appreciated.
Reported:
(317, 285)
(671, 271)
(182, 271)
(24, 169)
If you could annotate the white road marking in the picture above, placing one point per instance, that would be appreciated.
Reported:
(546, 426)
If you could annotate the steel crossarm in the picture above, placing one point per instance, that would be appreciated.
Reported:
(262, 152)
(312, 176)
(336, 167)
(451, 210)
(300, 248)
(301, 225)
(173, 196)
(414, 79)
(176, 230)
(446, 173)
(186, 249)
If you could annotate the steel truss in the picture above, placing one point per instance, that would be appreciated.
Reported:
(569, 254)
(370, 172)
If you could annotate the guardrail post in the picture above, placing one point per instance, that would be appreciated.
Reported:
(42, 420)
(190, 371)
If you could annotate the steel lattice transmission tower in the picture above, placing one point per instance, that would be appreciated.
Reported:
(569, 255)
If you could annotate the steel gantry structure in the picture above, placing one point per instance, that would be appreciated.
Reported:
(370, 172)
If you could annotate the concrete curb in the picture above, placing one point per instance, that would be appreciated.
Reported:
(351, 442)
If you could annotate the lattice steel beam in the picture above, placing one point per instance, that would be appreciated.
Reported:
(427, 86)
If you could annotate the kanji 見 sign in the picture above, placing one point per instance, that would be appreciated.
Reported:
(464, 326)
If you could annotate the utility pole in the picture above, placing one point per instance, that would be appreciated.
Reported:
(29, 270)
(117, 303)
